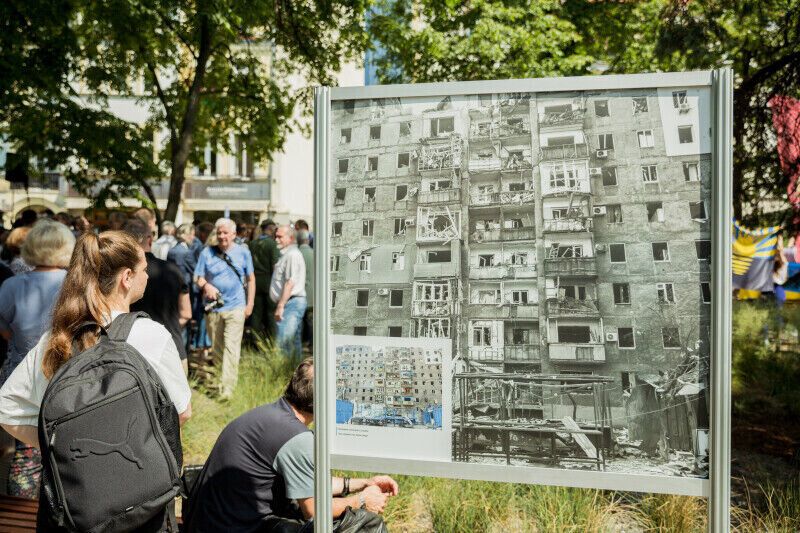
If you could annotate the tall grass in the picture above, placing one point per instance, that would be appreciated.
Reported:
(443, 505)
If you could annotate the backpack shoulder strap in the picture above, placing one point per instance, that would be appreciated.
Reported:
(121, 326)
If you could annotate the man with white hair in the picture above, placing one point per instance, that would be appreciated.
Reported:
(224, 274)
(166, 242)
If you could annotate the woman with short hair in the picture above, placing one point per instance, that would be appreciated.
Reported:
(106, 273)
(26, 305)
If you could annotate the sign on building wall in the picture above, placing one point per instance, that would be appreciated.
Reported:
(520, 280)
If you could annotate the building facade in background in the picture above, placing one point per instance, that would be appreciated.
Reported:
(231, 184)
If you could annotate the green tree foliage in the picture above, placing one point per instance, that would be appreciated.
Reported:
(442, 40)
(205, 69)
(433, 40)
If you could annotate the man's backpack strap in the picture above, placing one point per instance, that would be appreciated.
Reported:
(121, 326)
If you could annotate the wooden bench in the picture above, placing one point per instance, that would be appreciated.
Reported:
(17, 515)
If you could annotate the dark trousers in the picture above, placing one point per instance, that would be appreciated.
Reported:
(263, 318)
(308, 327)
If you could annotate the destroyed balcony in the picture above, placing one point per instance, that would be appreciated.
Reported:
(567, 151)
(483, 130)
(442, 196)
(489, 164)
(423, 308)
(568, 352)
(513, 129)
(502, 198)
(515, 163)
(521, 353)
(570, 266)
(573, 117)
(444, 153)
(504, 234)
(569, 224)
(571, 308)
(515, 103)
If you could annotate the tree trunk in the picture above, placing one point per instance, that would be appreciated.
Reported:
(181, 147)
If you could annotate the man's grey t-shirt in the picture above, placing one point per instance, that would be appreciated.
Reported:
(291, 266)
(260, 461)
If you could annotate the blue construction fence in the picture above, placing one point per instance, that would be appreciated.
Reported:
(430, 416)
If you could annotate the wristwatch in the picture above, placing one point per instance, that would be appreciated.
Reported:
(362, 502)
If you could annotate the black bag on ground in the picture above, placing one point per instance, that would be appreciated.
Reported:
(110, 439)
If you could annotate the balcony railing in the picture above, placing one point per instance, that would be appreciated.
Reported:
(486, 354)
(580, 186)
(503, 310)
(521, 352)
(489, 272)
(504, 234)
(437, 270)
(578, 352)
(571, 224)
(502, 198)
(570, 266)
(571, 308)
(440, 197)
(514, 353)
(564, 118)
(484, 165)
(47, 181)
(568, 151)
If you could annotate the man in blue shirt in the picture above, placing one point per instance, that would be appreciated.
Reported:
(224, 274)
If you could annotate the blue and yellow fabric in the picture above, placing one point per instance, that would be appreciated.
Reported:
(753, 256)
(792, 285)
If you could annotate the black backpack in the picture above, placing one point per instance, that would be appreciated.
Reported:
(110, 439)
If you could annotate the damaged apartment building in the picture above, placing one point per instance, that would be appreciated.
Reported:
(555, 233)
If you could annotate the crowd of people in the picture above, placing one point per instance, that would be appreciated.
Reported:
(202, 285)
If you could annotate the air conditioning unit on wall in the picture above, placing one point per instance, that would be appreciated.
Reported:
(685, 107)
(602, 154)
(599, 210)
(611, 336)
(595, 171)
(383, 292)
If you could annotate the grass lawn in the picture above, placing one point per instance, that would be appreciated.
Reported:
(766, 386)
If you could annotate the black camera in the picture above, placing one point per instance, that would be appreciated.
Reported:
(216, 303)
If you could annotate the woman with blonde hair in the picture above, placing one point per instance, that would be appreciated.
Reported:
(26, 305)
(106, 273)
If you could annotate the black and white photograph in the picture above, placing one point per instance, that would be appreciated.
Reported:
(559, 243)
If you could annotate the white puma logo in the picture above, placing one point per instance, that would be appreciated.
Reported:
(82, 448)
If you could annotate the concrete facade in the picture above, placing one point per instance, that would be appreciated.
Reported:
(560, 233)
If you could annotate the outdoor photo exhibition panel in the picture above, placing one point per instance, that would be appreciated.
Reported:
(519, 279)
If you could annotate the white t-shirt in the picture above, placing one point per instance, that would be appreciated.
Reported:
(21, 395)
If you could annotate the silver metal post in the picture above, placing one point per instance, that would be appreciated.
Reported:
(722, 309)
(323, 520)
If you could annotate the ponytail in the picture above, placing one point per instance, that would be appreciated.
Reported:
(90, 281)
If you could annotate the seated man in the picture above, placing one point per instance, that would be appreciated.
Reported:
(260, 475)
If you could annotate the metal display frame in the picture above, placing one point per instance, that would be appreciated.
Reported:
(717, 486)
